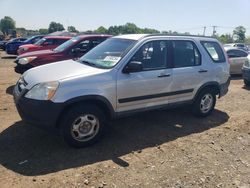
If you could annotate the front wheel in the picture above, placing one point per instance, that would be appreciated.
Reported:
(82, 125)
(204, 103)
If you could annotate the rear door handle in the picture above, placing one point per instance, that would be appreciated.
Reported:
(163, 75)
(202, 70)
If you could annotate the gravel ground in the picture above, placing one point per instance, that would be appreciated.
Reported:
(168, 148)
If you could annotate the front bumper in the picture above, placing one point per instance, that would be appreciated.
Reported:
(246, 73)
(43, 114)
(224, 88)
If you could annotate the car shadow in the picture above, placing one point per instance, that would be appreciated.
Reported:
(236, 77)
(8, 57)
(246, 87)
(29, 151)
(9, 90)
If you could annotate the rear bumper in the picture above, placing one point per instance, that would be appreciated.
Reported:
(246, 73)
(224, 88)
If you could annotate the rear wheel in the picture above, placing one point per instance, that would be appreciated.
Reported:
(204, 103)
(82, 125)
(247, 83)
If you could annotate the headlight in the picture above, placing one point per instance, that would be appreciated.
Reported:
(43, 91)
(25, 60)
(246, 64)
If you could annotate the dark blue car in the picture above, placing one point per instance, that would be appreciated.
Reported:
(12, 46)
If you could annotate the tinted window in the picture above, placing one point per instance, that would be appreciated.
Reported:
(185, 54)
(59, 41)
(84, 45)
(214, 50)
(152, 55)
(236, 53)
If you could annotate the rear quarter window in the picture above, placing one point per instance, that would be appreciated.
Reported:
(214, 51)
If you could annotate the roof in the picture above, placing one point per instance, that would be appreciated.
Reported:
(132, 36)
(92, 35)
(140, 36)
(57, 37)
(62, 33)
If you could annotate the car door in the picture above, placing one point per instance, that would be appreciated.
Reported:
(236, 59)
(149, 87)
(188, 72)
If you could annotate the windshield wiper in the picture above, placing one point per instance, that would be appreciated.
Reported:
(88, 63)
(91, 64)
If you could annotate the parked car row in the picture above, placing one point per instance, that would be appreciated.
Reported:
(72, 49)
(12, 46)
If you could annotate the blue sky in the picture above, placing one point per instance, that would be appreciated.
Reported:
(175, 15)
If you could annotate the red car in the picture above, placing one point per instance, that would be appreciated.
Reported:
(72, 49)
(46, 43)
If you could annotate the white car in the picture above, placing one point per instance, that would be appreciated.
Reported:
(122, 76)
(237, 58)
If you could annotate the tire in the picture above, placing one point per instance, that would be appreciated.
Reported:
(208, 97)
(82, 125)
(247, 83)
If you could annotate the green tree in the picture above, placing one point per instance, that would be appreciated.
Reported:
(248, 40)
(149, 31)
(101, 30)
(130, 28)
(53, 27)
(225, 38)
(239, 33)
(72, 29)
(43, 31)
(6, 24)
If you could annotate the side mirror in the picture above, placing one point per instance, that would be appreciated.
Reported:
(132, 66)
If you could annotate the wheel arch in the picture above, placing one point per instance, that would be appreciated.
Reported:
(215, 86)
(97, 100)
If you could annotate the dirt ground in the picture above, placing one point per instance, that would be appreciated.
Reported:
(157, 149)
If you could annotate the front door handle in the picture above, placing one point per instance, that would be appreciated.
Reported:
(163, 75)
(202, 70)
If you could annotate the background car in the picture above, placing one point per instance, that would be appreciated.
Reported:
(46, 43)
(72, 49)
(237, 58)
(237, 45)
(11, 46)
(3, 44)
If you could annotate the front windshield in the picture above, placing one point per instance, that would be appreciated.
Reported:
(107, 54)
(41, 41)
(67, 44)
(29, 39)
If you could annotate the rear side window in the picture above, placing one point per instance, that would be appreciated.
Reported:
(214, 50)
(186, 54)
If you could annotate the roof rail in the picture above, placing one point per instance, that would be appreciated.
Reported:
(181, 35)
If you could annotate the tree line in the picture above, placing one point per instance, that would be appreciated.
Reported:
(7, 25)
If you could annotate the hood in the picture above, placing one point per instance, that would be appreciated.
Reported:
(59, 71)
(36, 53)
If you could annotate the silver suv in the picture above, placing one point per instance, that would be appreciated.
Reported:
(123, 75)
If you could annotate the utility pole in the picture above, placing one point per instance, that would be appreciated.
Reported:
(214, 30)
(204, 30)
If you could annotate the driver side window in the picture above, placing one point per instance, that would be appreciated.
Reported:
(83, 46)
(152, 55)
